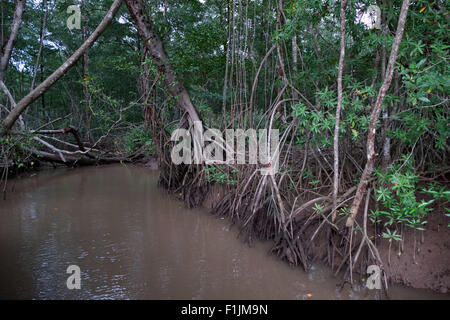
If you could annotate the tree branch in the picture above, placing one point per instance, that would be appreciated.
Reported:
(56, 75)
(9, 44)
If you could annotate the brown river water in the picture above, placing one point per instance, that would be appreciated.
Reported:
(131, 240)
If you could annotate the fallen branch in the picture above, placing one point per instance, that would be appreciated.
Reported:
(68, 129)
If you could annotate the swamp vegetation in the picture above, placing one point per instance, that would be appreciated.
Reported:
(360, 97)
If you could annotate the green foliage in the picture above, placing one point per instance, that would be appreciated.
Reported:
(344, 211)
(397, 193)
(218, 174)
(16, 149)
(438, 192)
(392, 235)
(318, 207)
(138, 138)
(319, 124)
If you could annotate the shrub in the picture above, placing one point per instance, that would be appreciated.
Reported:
(397, 193)
(137, 138)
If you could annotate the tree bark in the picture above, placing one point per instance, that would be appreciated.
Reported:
(386, 160)
(9, 44)
(12, 102)
(371, 154)
(87, 107)
(56, 75)
(41, 43)
(226, 48)
(69, 129)
(338, 110)
(294, 63)
(1, 24)
(155, 47)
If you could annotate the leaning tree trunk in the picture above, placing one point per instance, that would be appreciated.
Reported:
(182, 178)
(371, 154)
(56, 75)
(8, 47)
(155, 47)
(6, 51)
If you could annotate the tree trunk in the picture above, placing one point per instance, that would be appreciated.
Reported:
(87, 107)
(371, 154)
(155, 47)
(41, 43)
(338, 110)
(294, 63)
(386, 160)
(9, 44)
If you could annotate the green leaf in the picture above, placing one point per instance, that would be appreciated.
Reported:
(424, 99)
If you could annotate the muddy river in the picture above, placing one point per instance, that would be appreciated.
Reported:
(131, 240)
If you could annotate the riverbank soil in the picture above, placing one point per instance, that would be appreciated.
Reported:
(150, 162)
(427, 268)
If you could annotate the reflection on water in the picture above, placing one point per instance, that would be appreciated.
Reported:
(133, 241)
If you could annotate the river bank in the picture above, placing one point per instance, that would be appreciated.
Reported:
(421, 261)
(427, 268)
